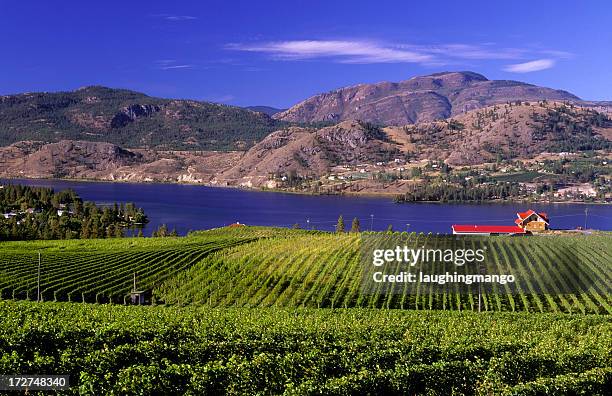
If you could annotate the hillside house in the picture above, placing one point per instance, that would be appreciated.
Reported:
(532, 220)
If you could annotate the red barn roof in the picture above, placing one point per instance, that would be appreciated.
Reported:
(487, 229)
(523, 215)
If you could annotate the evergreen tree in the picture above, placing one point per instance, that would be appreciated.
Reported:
(340, 224)
(162, 231)
(118, 233)
(355, 227)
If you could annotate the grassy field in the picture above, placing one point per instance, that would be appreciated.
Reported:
(113, 349)
(265, 267)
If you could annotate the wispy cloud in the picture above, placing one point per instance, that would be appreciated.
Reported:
(469, 51)
(170, 17)
(531, 66)
(364, 51)
(558, 54)
(341, 51)
(176, 67)
(172, 64)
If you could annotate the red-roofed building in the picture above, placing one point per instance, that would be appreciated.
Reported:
(526, 223)
(473, 229)
(532, 220)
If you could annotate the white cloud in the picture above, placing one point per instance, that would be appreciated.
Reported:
(364, 51)
(170, 17)
(170, 67)
(469, 51)
(170, 64)
(532, 66)
(179, 18)
(342, 51)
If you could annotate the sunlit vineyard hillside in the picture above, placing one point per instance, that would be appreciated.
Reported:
(265, 267)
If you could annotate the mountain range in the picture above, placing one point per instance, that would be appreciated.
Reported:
(419, 99)
(130, 119)
(461, 118)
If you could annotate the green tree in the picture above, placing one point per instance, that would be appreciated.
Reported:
(340, 224)
(162, 231)
(355, 227)
(118, 233)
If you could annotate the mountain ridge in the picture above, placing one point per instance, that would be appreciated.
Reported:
(351, 156)
(131, 119)
(268, 110)
(418, 99)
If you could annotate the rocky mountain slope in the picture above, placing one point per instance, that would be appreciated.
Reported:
(129, 119)
(508, 131)
(106, 161)
(504, 131)
(460, 118)
(304, 152)
(419, 99)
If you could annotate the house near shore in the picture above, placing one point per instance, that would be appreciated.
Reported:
(526, 223)
(532, 220)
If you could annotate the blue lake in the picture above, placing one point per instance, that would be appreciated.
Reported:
(191, 207)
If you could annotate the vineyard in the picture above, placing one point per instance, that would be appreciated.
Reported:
(236, 313)
(112, 349)
(265, 267)
(100, 270)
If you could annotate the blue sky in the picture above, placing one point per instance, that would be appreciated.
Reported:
(280, 52)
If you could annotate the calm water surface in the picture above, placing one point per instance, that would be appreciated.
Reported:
(189, 207)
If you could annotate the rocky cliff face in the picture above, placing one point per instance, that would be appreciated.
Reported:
(106, 161)
(307, 152)
(419, 99)
(132, 113)
(64, 159)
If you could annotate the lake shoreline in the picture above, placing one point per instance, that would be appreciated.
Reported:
(306, 193)
(195, 207)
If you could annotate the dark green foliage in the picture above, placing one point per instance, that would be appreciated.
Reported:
(157, 350)
(340, 224)
(130, 119)
(465, 192)
(571, 131)
(162, 231)
(41, 213)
